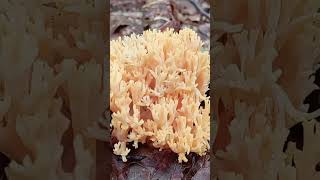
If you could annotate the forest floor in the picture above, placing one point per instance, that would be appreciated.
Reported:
(135, 16)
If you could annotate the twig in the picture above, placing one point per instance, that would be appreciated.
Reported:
(199, 8)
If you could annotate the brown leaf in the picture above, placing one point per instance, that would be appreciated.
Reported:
(185, 7)
(203, 173)
(125, 23)
(157, 13)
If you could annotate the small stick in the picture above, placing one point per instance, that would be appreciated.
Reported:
(202, 12)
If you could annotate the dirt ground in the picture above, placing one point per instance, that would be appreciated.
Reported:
(135, 16)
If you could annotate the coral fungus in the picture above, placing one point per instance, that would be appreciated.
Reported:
(158, 80)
